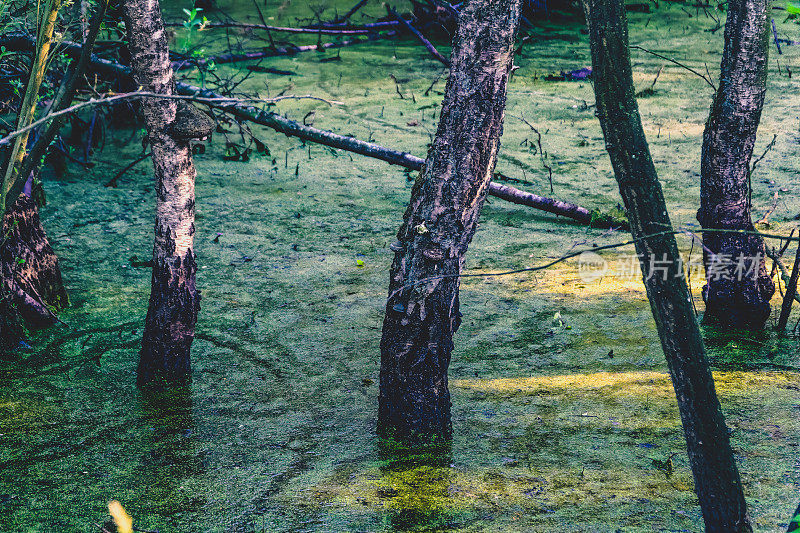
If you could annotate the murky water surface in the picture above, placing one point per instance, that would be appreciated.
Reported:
(562, 423)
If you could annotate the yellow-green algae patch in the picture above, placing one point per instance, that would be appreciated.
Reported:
(578, 444)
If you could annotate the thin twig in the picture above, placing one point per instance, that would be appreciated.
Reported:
(113, 181)
(346, 16)
(222, 101)
(764, 219)
(775, 36)
(665, 58)
(432, 49)
(791, 290)
(541, 151)
(764, 154)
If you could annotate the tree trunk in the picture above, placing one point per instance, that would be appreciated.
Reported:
(422, 316)
(738, 286)
(716, 477)
(794, 523)
(32, 283)
(30, 268)
(174, 298)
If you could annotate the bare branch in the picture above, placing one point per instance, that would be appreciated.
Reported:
(665, 58)
(217, 102)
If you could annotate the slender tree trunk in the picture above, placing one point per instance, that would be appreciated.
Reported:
(46, 20)
(716, 477)
(174, 298)
(738, 286)
(62, 100)
(422, 316)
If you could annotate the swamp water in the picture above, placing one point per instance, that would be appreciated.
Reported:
(564, 417)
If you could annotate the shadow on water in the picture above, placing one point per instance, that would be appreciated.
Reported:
(734, 349)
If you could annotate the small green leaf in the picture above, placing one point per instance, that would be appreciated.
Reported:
(792, 9)
(359, 263)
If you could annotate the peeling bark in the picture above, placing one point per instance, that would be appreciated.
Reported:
(716, 476)
(421, 317)
(174, 298)
(735, 298)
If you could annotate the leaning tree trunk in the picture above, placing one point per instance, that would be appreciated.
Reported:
(422, 315)
(716, 477)
(174, 298)
(738, 286)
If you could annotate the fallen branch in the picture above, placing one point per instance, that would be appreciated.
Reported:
(274, 52)
(279, 29)
(551, 205)
(293, 129)
(432, 49)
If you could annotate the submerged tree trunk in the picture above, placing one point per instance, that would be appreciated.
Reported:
(32, 289)
(422, 316)
(32, 284)
(174, 298)
(738, 286)
(716, 477)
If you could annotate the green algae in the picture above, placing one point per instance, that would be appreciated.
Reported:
(558, 424)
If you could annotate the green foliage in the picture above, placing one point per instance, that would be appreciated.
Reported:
(194, 22)
(615, 217)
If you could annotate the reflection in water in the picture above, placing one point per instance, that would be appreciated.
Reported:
(415, 485)
(171, 453)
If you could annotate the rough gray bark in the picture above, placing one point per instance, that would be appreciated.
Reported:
(732, 298)
(716, 477)
(174, 298)
(422, 316)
